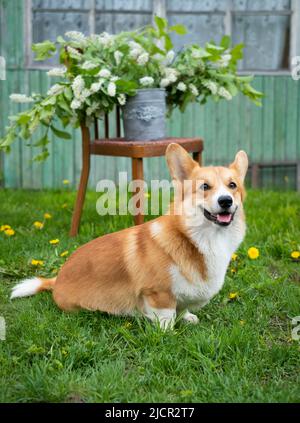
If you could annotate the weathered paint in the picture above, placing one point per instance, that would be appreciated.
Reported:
(271, 132)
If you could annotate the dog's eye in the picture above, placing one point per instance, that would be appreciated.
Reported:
(232, 185)
(205, 187)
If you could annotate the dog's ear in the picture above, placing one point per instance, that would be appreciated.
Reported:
(179, 162)
(240, 164)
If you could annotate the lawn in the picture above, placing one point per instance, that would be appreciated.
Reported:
(242, 350)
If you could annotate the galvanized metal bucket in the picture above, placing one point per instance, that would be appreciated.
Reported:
(144, 115)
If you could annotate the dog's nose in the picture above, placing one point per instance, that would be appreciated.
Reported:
(225, 201)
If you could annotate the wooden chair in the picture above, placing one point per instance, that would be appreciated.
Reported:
(119, 147)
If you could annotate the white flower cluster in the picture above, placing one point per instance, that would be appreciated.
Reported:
(76, 36)
(196, 53)
(56, 89)
(146, 81)
(111, 89)
(74, 53)
(224, 93)
(104, 73)
(104, 40)
(170, 56)
(80, 92)
(194, 90)
(118, 57)
(122, 99)
(20, 98)
(171, 76)
(181, 86)
(60, 72)
(96, 86)
(143, 59)
(211, 86)
(138, 53)
(224, 61)
(88, 65)
(92, 108)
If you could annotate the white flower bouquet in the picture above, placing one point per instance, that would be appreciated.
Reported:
(99, 72)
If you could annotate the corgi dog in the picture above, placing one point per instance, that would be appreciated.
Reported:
(170, 265)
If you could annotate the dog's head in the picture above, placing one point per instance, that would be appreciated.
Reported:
(214, 194)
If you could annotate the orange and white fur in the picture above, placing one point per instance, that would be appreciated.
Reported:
(167, 266)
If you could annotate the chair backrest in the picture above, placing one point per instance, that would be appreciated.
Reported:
(106, 125)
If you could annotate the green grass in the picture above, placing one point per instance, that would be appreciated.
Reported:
(241, 351)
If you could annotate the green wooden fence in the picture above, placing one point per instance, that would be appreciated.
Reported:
(271, 132)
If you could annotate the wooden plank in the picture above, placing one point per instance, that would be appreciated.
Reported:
(27, 175)
(138, 149)
(280, 116)
(268, 128)
(256, 125)
(13, 163)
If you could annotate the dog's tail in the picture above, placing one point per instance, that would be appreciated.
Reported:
(32, 286)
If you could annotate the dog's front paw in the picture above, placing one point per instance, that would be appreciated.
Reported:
(190, 317)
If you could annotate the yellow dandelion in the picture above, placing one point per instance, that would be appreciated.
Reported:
(233, 270)
(233, 295)
(47, 216)
(234, 257)
(66, 182)
(186, 393)
(253, 253)
(9, 232)
(54, 241)
(127, 325)
(37, 262)
(4, 227)
(64, 253)
(295, 254)
(38, 225)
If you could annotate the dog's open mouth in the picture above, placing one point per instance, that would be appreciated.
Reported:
(222, 219)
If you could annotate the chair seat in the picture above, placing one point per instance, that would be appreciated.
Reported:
(140, 149)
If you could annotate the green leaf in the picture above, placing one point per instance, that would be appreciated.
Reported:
(8, 139)
(23, 118)
(25, 133)
(61, 134)
(60, 39)
(201, 52)
(179, 29)
(225, 42)
(253, 91)
(42, 156)
(42, 142)
(44, 50)
(246, 78)
(161, 24)
(237, 52)
(213, 47)
(232, 88)
(68, 93)
(168, 42)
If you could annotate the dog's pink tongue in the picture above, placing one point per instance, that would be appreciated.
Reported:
(224, 218)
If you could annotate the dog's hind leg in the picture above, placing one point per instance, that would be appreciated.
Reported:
(160, 307)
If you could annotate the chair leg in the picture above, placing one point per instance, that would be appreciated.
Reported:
(197, 157)
(138, 173)
(83, 181)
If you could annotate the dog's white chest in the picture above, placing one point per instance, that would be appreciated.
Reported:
(217, 252)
